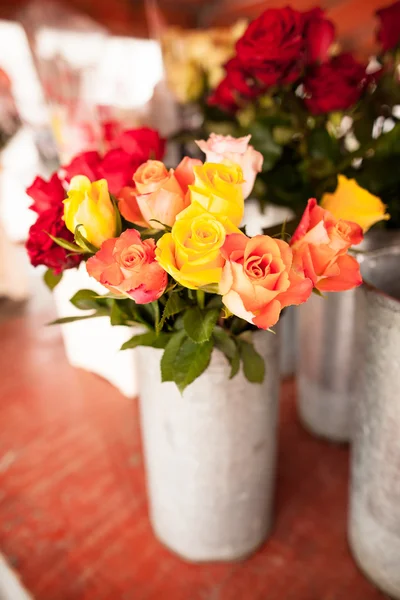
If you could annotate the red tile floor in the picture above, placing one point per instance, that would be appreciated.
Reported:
(73, 515)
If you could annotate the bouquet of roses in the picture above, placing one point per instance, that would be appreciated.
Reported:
(167, 245)
(314, 112)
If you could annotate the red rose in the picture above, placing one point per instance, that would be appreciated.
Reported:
(41, 248)
(223, 97)
(319, 34)
(85, 163)
(143, 143)
(389, 32)
(241, 81)
(272, 47)
(335, 85)
(118, 165)
(46, 194)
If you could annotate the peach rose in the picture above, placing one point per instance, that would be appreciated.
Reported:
(227, 149)
(159, 195)
(127, 267)
(184, 172)
(129, 207)
(320, 244)
(258, 280)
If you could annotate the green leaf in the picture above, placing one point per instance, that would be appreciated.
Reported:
(147, 339)
(66, 245)
(175, 304)
(65, 320)
(318, 293)
(118, 315)
(191, 361)
(83, 242)
(253, 363)
(235, 364)
(226, 344)
(199, 324)
(52, 279)
(156, 310)
(86, 300)
(170, 353)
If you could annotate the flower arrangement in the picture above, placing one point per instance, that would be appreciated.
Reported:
(314, 112)
(166, 244)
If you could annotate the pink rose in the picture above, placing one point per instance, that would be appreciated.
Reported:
(258, 280)
(226, 149)
(127, 267)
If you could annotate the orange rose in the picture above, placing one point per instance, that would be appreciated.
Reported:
(127, 267)
(129, 208)
(257, 279)
(160, 195)
(320, 244)
(184, 172)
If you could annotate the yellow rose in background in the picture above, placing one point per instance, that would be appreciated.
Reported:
(218, 188)
(194, 59)
(186, 81)
(191, 253)
(89, 204)
(353, 203)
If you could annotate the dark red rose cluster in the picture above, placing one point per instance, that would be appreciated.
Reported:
(117, 166)
(389, 31)
(48, 199)
(284, 47)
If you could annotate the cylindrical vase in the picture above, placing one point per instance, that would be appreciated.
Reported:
(374, 523)
(327, 351)
(210, 455)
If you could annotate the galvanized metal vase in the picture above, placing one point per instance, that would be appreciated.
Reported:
(210, 456)
(325, 365)
(326, 354)
(374, 523)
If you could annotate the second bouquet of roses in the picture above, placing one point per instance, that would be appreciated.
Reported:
(167, 245)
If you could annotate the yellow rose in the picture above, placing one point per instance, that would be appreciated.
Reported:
(191, 253)
(186, 81)
(353, 203)
(218, 188)
(89, 204)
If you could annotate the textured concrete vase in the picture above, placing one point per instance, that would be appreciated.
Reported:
(210, 456)
(374, 524)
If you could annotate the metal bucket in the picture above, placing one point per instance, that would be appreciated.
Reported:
(374, 523)
(326, 354)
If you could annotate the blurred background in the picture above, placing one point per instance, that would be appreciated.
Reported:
(73, 75)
